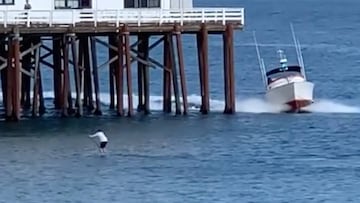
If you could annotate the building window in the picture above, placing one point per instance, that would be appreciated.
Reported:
(154, 3)
(7, 2)
(129, 4)
(68, 4)
(142, 3)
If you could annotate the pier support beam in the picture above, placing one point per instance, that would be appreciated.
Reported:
(87, 65)
(36, 88)
(140, 78)
(65, 78)
(143, 74)
(112, 69)
(3, 72)
(202, 44)
(229, 81)
(167, 77)
(38, 107)
(96, 76)
(174, 73)
(181, 68)
(13, 82)
(146, 75)
(26, 80)
(17, 76)
(13, 78)
(42, 109)
(119, 76)
(9, 80)
(57, 72)
(77, 77)
(126, 34)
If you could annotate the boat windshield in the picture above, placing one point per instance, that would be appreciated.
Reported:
(284, 71)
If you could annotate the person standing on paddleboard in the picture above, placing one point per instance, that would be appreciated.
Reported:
(103, 140)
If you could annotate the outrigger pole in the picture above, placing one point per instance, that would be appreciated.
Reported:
(298, 50)
(261, 61)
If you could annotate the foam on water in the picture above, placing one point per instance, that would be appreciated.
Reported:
(256, 105)
(248, 105)
(328, 106)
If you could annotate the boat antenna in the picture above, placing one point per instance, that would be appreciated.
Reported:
(301, 59)
(261, 61)
(283, 60)
(298, 50)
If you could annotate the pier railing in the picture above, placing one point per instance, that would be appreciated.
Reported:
(138, 17)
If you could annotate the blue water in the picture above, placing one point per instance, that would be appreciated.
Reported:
(256, 155)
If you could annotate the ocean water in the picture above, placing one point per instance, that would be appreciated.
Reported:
(256, 155)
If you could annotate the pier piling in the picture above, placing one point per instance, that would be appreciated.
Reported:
(112, 68)
(26, 79)
(3, 69)
(9, 80)
(36, 86)
(205, 69)
(95, 76)
(141, 73)
(167, 77)
(77, 77)
(126, 34)
(181, 68)
(88, 87)
(65, 77)
(230, 44)
(36, 47)
(120, 76)
(146, 73)
(17, 75)
(174, 73)
(57, 71)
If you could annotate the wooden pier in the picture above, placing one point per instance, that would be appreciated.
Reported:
(75, 38)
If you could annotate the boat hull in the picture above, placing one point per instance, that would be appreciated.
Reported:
(294, 95)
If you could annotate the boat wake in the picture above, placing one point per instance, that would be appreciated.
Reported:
(255, 105)
(246, 105)
(319, 106)
(329, 106)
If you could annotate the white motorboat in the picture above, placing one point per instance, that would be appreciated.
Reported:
(287, 84)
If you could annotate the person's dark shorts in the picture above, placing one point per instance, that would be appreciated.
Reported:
(103, 145)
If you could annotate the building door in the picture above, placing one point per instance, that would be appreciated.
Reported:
(85, 3)
(142, 3)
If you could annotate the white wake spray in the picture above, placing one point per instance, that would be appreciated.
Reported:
(248, 105)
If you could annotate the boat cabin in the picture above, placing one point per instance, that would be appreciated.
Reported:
(92, 4)
(283, 75)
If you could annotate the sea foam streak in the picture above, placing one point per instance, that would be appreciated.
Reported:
(328, 106)
(248, 105)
